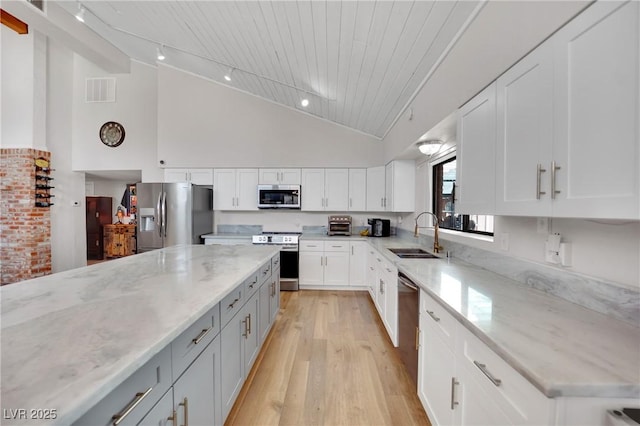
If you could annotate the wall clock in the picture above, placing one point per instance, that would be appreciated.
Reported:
(112, 134)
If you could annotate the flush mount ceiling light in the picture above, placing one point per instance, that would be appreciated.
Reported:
(304, 102)
(429, 147)
(160, 52)
(80, 14)
(227, 76)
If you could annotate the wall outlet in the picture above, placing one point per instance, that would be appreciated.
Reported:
(542, 225)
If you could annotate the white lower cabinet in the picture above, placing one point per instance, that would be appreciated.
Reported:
(382, 281)
(370, 273)
(324, 263)
(463, 382)
(357, 263)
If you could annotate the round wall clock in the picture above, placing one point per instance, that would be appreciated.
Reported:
(112, 134)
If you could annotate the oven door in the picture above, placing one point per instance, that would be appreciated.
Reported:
(279, 196)
(289, 268)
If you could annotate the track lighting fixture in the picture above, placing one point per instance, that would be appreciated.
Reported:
(160, 52)
(227, 76)
(80, 14)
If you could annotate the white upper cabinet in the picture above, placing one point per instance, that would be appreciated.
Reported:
(357, 190)
(475, 189)
(569, 121)
(235, 189)
(400, 184)
(597, 111)
(375, 189)
(325, 189)
(280, 176)
(196, 176)
(525, 134)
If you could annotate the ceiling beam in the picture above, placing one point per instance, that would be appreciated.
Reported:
(59, 25)
(14, 23)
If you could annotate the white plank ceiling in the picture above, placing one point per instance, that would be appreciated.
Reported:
(359, 63)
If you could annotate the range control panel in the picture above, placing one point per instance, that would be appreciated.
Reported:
(274, 239)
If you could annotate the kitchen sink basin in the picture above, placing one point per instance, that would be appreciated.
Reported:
(412, 253)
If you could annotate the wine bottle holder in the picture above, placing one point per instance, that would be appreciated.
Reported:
(43, 186)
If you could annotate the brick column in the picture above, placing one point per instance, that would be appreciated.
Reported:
(25, 230)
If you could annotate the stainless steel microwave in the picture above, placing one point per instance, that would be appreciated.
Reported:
(279, 197)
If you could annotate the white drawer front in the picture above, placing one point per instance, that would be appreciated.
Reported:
(311, 245)
(275, 263)
(442, 322)
(251, 284)
(516, 397)
(336, 246)
(186, 347)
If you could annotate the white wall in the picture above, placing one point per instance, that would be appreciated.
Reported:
(23, 86)
(205, 124)
(68, 241)
(135, 108)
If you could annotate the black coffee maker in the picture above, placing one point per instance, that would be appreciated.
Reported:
(379, 227)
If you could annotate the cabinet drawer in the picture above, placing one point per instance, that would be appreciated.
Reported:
(251, 284)
(441, 321)
(231, 304)
(311, 245)
(135, 396)
(186, 347)
(265, 273)
(516, 397)
(336, 246)
(275, 263)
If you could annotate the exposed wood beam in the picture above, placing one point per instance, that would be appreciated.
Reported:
(14, 23)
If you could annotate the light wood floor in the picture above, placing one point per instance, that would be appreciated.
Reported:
(328, 361)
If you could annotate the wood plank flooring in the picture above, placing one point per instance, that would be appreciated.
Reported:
(328, 361)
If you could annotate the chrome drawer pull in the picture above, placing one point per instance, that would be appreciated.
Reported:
(200, 336)
(539, 172)
(117, 418)
(454, 383)
(433, 315)
(483, 368)
(185, 404)
(232, 304)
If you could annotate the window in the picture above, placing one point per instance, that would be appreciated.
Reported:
(444, 194)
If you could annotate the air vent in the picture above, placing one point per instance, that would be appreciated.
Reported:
(100, 90)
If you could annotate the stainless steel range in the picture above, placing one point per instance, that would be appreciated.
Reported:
(288, 242)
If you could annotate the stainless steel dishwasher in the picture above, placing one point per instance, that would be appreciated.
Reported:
(408, 323)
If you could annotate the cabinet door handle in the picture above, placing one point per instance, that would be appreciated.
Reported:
(118, 418)
(454, 383)
(174, 418)
(539, 172)
(483, 368)
(381, 287)
(351, 250)
(249, 320)
(200, 336)
(417, 338)
(246, 328)
(554, 169)
(382, 202)
(185, 404)
(432, 315)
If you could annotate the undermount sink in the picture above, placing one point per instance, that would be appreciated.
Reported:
(412, 253)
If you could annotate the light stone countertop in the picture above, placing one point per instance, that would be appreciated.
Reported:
(70, 338)
(562, 348)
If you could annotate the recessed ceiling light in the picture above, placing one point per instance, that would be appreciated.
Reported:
(304, 102)
(160, 52)
(228, 75)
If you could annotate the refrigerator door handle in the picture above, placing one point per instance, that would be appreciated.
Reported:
(159, 213)
(164, 213)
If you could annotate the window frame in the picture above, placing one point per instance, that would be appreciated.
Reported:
(436, 194)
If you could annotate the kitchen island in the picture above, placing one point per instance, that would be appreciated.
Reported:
(69, 339)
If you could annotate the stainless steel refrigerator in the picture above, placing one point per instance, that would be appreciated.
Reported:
(172, 213)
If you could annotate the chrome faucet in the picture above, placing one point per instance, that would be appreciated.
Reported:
(436, 244)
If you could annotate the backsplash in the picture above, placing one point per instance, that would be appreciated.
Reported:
(239, 229)
(612, 299)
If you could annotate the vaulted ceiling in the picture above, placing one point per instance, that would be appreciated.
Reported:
(359, 63)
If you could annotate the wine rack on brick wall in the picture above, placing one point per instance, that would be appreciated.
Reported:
(43, 183)
(25, 230)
